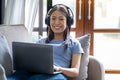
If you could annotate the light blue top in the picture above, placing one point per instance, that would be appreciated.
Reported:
(61, 57)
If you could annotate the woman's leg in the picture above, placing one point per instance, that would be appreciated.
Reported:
(48, 77)
(19, 75)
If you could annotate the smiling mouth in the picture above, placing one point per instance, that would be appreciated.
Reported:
(57, 27)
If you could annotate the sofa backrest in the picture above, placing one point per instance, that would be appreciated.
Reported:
(16, 32)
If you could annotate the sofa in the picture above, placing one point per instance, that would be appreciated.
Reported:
(90, 69)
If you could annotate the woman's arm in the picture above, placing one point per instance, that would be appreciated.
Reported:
(74, 70)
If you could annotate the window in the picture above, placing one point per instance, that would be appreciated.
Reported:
(107, 34)
(39, 26)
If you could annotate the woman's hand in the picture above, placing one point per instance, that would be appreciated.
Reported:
(56, 68)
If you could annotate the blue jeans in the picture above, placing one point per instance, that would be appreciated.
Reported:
(19, 75)
(48, 77)
(22, 75)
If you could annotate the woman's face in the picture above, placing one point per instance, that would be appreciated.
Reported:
(58, 22)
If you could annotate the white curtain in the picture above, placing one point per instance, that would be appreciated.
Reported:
(31, 7)
(14, 12)
(21, 12)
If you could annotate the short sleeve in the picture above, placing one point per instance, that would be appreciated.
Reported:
(76, 47)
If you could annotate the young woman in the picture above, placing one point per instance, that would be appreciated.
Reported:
(67, 51)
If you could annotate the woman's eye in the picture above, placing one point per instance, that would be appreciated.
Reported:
(61, 19)
(53, 18)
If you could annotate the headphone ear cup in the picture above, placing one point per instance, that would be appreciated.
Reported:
(70, 21)
(47, 20)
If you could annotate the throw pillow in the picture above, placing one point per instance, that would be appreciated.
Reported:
(5, 58)
(85, 43)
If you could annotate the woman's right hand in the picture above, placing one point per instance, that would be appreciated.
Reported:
(56, 68)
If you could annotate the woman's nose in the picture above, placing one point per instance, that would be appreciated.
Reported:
(57, 21)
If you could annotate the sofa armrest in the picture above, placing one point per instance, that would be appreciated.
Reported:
(2, 73)
(95, 69)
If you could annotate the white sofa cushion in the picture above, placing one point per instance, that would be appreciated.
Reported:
(17, 32)
(5, 58)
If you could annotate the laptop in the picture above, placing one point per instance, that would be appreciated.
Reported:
(32, 57)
